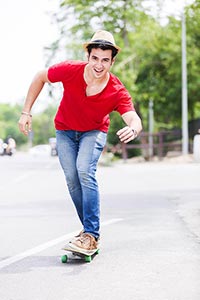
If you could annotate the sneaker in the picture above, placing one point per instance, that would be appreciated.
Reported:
(79, 234)
(84, 242)
(76, 236)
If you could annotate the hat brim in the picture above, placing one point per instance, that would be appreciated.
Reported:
(85, 45)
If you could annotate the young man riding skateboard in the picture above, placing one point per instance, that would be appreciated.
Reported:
(90, 93)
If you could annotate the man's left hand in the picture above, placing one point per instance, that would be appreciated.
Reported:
(126, 134)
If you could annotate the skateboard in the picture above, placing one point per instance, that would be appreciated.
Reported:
(85, 255)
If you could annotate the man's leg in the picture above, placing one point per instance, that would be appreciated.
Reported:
(68, 146)
(91, 145)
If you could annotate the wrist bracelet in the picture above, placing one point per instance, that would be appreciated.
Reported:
(26, 114)
(135, 133)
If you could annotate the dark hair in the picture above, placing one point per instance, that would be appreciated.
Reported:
(102, 46)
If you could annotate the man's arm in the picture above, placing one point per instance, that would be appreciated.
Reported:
(133, 128)
(34, 90)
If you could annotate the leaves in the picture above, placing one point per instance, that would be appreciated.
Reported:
(43, 126)
(149, 64)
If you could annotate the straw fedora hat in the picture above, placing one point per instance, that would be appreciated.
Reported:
(104, 37)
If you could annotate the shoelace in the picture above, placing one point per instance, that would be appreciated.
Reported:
(86, 238)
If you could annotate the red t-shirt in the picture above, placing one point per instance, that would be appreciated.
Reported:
(80, 112)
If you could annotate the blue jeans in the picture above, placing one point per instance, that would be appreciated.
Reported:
(78, 154)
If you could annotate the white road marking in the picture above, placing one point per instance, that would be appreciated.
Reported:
(8, 261)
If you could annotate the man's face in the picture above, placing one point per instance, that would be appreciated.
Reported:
(100, 62)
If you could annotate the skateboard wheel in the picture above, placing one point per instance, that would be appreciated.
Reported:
(88, 258)
(64, 258)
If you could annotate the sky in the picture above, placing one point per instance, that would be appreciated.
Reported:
(25, 28)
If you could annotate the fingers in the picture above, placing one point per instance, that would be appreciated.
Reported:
(24, 124)
(126, 134)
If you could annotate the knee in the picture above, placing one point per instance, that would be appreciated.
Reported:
(87, 177)
(72, 180)
(84, 176)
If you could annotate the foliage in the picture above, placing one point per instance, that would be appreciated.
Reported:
(159, 73)
(149, 64)
(8, 122)
(43, 127)
(193, 58)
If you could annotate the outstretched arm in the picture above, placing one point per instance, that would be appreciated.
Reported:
(33, 92)
(133, 128)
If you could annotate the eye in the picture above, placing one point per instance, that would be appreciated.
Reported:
(94, 57)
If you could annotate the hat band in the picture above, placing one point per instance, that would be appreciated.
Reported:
(102, 42)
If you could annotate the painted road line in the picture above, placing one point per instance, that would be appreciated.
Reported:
(8, 261)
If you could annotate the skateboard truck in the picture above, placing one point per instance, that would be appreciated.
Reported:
(84, 255)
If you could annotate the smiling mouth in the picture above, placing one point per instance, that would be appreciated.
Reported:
(98, 71)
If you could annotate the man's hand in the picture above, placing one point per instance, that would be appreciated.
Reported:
(24, 123)
(127, 134)
(33, 92)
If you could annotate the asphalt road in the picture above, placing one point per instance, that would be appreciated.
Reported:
(149, 237)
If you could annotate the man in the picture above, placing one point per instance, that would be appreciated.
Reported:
(90, 93)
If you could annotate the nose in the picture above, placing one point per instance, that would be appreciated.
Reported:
(99, 64)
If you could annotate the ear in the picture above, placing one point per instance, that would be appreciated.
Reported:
(113, 61)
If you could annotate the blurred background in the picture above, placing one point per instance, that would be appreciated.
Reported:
(158, 64)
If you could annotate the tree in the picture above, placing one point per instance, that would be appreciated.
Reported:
(43, 126)
(193, 58)
(8, 122)
(159, 73)
(120, 17)
(150, 62)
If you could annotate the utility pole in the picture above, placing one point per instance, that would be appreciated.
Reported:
(151, 125)
(184, 90)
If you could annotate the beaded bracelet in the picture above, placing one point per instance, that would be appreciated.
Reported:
(135, 133)
(25, 113)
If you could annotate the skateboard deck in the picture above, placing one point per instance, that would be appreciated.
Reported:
(83, 254)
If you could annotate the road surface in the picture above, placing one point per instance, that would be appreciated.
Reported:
(149, 236)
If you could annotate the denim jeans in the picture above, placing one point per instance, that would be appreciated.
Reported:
(78, 154)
